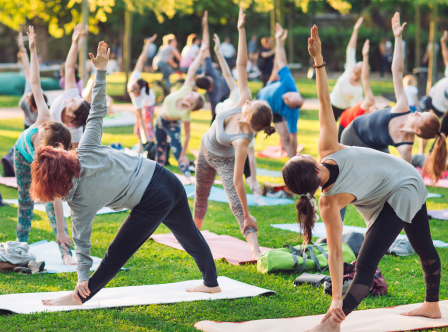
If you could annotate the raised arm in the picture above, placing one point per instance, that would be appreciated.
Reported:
(398, 67)
(191, 73)
(43, 114)
(241, 61)
(444, 48)
(280, 37)
(70, 64)
(24, 56)
(94, 126)
(226, 73)
(369, 99)
(144, 55)
(354, 37)
(328, 137)
(206, 34)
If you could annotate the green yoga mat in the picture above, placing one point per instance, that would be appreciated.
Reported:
(13, 84)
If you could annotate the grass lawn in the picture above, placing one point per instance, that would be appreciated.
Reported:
(157, 264)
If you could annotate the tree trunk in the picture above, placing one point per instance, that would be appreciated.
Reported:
(42, 38)
(291, 33)
(83, 51)
(127, 44)
(417, 35)
(432, 54)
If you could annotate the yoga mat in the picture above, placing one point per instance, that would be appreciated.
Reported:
(438, 214)
(119, 119)
(431, 195)
(219, 195)
(319, 231)
(49, 252)
(66, 208)
(268, 172)
(273, 152)
(27, 303)
(185, 182)
(9, 181)
(377, 320)
(442, 183)
(233, 250)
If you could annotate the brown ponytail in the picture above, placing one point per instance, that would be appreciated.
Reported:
(435, 163)
(301, 178)
(269, 130)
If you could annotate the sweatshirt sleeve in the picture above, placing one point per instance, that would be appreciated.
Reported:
(82, 220)
(351, 59)
(98, 110)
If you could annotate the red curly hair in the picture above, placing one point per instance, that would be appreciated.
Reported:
(52, 171)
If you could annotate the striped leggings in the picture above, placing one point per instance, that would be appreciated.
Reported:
(207, 166)
(26, 205)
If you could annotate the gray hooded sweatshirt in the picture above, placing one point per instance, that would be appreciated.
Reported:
(108, 177)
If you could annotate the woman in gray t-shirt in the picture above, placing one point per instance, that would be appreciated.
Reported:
(386, 190)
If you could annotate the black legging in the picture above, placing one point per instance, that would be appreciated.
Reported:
(164, 201)
(378, 239)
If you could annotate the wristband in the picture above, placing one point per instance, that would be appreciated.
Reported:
(322, 65)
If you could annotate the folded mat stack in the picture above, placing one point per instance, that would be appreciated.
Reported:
(233, 250)
(28, 303)
(378, 320)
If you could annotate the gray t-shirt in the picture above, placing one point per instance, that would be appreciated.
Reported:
(375, 178)
(217, 141)
(30, 116)
(108, 177)
(164, 53)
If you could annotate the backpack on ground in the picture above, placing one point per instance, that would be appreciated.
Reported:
(298, 259)
(8, 164)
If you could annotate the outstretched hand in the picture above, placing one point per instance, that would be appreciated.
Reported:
(444, 37)
(397, 28)
(314, 44)
(358, 23)
(278, 31)
(31, 37)
(241, 19)
(151, 39)
(102, 57)
(365, 48)
(217, 43)
(76, 33)
(205, 18)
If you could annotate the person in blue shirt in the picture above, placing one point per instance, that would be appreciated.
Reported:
(283, 96)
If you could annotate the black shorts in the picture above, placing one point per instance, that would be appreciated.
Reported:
(337, 112)
(278, 118)
(429, 106)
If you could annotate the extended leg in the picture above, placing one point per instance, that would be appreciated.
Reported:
(175, 133)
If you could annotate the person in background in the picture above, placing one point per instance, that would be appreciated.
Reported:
(228, 51)
(444, 51)
(79, 82)
(165, 58)
(410, 88)
(252, 47)
(265, 60)
(211, 80)
(116, 51)
(27, 102)
(386, 52)
(190, 51)
(347, 91)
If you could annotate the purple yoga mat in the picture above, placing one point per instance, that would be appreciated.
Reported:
(438, 214)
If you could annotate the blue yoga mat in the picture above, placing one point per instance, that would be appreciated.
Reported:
(219, 195)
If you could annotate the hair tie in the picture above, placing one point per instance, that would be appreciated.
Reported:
(314, 204)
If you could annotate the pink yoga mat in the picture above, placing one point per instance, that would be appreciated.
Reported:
(273, 152)
(442, 183)
(233, 250)
(9, 181)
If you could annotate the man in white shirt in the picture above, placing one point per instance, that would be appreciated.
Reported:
(228, 51)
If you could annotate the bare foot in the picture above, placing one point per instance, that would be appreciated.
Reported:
(204, 289)
(255, 254)
(69, 299)
(329, 325)
(427, 309)
(69, 260)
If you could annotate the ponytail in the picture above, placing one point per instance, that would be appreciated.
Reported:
(269, 130)
(143, 84)
(435, 163)
(307, 216)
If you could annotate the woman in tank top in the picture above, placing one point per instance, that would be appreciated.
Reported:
(224, 149)
(397, 126)
(387, 191)
(43, 132)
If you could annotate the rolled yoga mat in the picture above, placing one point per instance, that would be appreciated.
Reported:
(28, 303)
(378, 320)
(233, 250)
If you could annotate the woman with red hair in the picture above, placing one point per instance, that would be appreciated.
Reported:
(152, 193)
(43, 132)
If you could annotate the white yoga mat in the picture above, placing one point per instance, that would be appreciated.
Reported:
(50, 254)
(41, 207)
(373, 320)
(268, 172)
(320, 231)
(130, 296)
(119, 119)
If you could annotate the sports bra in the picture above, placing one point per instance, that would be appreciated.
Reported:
(334, 173)
(373, 129)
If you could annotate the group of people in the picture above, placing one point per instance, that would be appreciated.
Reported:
(386, 190)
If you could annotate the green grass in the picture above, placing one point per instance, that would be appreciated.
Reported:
(157, 264)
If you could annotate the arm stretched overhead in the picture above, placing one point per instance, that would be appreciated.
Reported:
(369, 99)
(144, 55)
(24, 56)
(398, 67)
(78, 36)
(241, 61)
(206, 34)
(226, 73)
